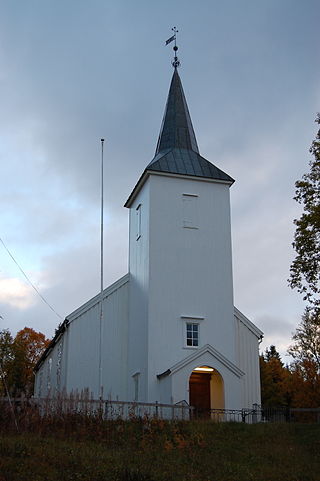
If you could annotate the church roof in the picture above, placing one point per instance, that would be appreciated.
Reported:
(176, 129)
(177, 150)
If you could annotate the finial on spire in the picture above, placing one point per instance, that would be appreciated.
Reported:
(175, 62)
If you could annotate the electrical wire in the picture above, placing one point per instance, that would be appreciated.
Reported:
(30, 282)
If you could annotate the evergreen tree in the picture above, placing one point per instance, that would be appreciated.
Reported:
(272, 353)
(275, 386)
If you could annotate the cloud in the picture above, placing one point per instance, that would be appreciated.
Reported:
(278, 331)
(16, 293)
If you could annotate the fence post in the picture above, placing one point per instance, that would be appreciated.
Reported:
(254, 413)
(157, 408)
(243, 416)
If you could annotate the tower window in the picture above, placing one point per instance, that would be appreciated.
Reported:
(190, 211)
(138, 222)
(192, 334)
(135, 378)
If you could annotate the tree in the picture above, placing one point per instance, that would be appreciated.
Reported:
(28, 346)
(6, 357)
(305, 384)
(272, 353)
(305, 268)
(275, 376)
(18, 357)
(305, 369)
(306, 346)
(33, 343)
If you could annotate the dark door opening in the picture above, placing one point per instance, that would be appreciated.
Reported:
(199, 393)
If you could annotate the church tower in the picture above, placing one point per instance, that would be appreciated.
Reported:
(181, 309)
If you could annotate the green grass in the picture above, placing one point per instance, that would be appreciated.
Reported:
(154, 450)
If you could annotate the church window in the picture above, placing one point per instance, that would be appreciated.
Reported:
(138, 222)
(192, 334)
(49, 374)
(136, 386)
(190, 211)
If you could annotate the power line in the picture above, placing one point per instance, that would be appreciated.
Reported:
(30, 282)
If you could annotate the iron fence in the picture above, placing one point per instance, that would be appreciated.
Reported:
(261, 415)
(115, 409)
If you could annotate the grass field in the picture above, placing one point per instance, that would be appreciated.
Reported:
(155, 450)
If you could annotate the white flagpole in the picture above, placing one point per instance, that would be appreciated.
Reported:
(101, 281)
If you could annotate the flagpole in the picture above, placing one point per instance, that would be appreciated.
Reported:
(100, 390)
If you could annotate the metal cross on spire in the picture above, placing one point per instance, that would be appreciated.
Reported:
(175, 62)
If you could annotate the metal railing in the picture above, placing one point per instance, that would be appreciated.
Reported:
(115, 409)
(259, 414)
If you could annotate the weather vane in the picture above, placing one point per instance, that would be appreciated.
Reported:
(175, 62)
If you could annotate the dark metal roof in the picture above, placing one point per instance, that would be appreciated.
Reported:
(177, 149)
(176, 129)
(186, 162)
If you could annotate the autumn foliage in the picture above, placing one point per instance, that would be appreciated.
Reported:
(18, 357)
(293, 386)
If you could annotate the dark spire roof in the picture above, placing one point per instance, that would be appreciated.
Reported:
(177, 149)
(176, 129)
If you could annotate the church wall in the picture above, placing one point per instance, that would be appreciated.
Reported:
(73, 362)
(138, 295)
(165, 390)
(50, 377)
(115, 345)
(248, 361)
(83, 346)
(191, 271)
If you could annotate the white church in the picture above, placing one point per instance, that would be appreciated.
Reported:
(170, 330)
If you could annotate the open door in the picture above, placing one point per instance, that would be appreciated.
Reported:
(205, 391)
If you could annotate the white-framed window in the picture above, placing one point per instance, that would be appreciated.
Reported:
(192, 334)
(191, 330)
(190, 211)
(138, 221)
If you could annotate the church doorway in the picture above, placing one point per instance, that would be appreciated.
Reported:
(206, 391)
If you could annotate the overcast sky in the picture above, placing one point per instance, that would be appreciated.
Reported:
(74, 71)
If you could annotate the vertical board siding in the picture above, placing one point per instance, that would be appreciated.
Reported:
(74, 358)
(248, 359)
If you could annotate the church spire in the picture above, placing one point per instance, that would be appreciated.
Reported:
(176, 131)
(177, 149)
